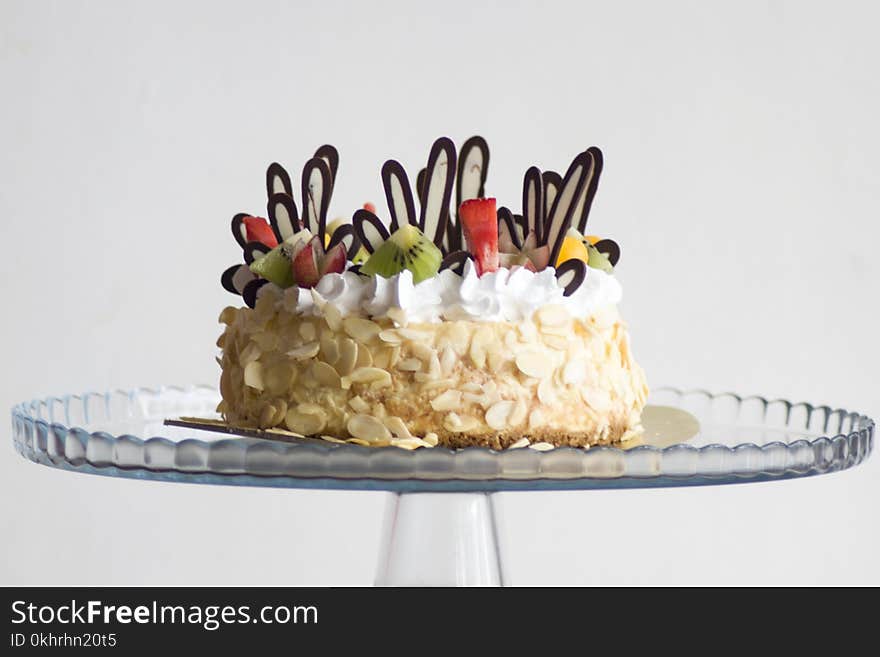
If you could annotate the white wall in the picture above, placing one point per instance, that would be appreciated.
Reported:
(741, 144)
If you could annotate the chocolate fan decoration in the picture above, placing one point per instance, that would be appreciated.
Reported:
(283, 216)
(317, 187)
(277, 181)
(610, 249)
(369, 229)
(254, 251)
(558, 221)
(236, 277)
(456, 261)
(398, 195)
(252, 290)
(239, 231)
(437, 190)
(345, 234)
(473, 167)
(330, 155)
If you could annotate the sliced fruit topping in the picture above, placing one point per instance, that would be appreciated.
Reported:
(407, 248)
(479, 221)
(275, 265)
(511, 260)
(599, 260)
(573, 248)
(311, 262)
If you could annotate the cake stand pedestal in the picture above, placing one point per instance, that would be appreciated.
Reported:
(440, 526)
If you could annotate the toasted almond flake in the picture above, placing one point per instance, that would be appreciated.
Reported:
(460, 423)
(439, 384)
(542, 447)
(409, 365)
(536, 418)
(528, 331)
(307, 331)
(280, 412)
(447, 401)
(306, 351)
(266, 340)
(227, 315)
(249, 354)
(553, 315)
(221, 407)
(547, 392)
(519, 444)
(325, 374)
(362, 443)
(379, 410)
(253, 375)
(333, 317)
(498, 414)
(394, 358)
(496, 360)
(574, 372)
(358, 404)
(459, 337)
(556, 342)
(470, 386)
(360, 329)
(278, 377)
(332, 439)
(307, 419)
(518, 414)
(447, 361)
(397, 426)
(329, 348)
(348, 350)
(477, 352)
(422, 351)
(369, 375)
(431, 438)
(533, 362)
(390, 336)
(413, 335)
(397, 315)
(596, 398)
(364, 356)
(267, 414)
(366, 427)
(221, 341)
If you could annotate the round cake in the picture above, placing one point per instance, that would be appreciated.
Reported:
(475, 327)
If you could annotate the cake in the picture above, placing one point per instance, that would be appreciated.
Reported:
(460, 327)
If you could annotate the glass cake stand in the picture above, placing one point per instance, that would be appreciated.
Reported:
(441, 512)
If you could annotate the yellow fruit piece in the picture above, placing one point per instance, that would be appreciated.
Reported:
(592, 239)
(572, 248)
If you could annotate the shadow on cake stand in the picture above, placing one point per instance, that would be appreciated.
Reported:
(441, 525)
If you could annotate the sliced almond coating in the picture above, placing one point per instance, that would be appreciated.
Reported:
(397, 426)
(382, 357)
(547, 392)
(536, 419)
(358, 404)
(366, 427)
(221, 341)
(278, 377)
(447, 401)
(362, 443)
(511, 341)
(439, 384)
(397, 315)
(364, 357)
(556, 342)
(267, 414)
(325, 374)
(498, 414)
(459, 338)
(448, 359)
(463, 423)
(369, 375)
(495, 358)
(348, 351)
(409, 365)
(479, 342)
(379, 410)
(249, 354)
(360, 329)
(266, 340)
(561, 331)
(309, 350)
(280, 412)
(394, 358)
(532, 362)
(422, 351)
(519, 444)
(307, 331)
(332, 439)
(253, 375)
(553, 315)
(227, 315)
(431, 438)
(471, 386)
(329, 348)
(518, 414)
(333, 317)
(528, 331)
(542, 447)
(596, 398)
(413, 335)
(390, 336)
(574, 372)
(307, 419)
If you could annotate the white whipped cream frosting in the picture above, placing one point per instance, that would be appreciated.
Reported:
(503, 295)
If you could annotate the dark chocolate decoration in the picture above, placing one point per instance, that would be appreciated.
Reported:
(369, 229)
(236, 278)
(283, 216)
(420, 182)
(398, 194)
(239, 231)
(356, 269)
(251, 291)
(520, 221)
(317, 187)
(345, 233)
(508, 234)
(571, 274)
(473, 167)
(610, 249)
(593, 185)
(452, 239)
(255, 251)
(437, 189)
(533, 203)
(330, 155)
(552, 183)
(277, 181)
(455, 261)
(559, 221)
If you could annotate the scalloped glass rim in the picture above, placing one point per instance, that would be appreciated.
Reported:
(99, 433)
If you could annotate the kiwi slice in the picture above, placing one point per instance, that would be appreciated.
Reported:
(598, 260)
(407, 248)
(275, 265)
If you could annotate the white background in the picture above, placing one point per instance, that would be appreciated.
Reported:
(741, 180)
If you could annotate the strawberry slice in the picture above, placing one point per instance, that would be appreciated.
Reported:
(305, 264)
(258, 229)
(480, 222)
